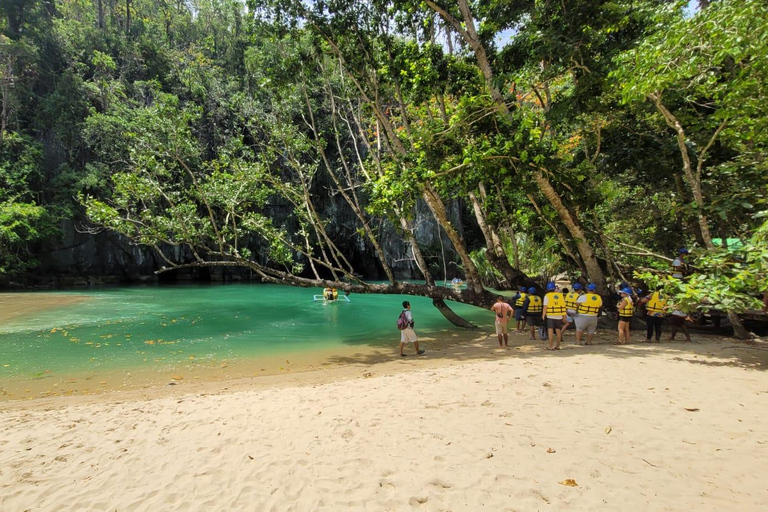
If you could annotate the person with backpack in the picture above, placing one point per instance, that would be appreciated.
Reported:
(407, 334)
(503, 312)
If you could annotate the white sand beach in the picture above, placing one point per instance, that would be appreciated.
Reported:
(469, 427)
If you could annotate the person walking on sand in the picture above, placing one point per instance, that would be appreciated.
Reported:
(503, 312)
(626, 308)
(554, 315)
(533, 308)
(407, 334)
(588, 306)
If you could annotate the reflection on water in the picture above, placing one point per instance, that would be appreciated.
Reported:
(160, 328)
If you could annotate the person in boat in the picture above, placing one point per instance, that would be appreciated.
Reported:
(334, 294)
(328, 293)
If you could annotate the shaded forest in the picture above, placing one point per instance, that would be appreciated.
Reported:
(339, 143)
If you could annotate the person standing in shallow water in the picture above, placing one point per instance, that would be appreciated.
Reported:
(503, 312)
(408, 335)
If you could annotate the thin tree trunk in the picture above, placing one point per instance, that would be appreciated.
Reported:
(739, 331)
(466, 28)
(594, 271)
(694, 181)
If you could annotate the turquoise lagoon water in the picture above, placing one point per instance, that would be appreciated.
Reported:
(159, 328)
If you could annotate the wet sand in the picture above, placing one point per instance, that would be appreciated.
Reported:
(15, 305)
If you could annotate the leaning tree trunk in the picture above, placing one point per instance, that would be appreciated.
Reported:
(466, 28)
(594, 271)
(739, 331)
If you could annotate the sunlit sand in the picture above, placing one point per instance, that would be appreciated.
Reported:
(674, 426)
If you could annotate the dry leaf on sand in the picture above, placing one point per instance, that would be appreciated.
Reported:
(608, 430)
(691, 409)
(570, 482)
(550, 450)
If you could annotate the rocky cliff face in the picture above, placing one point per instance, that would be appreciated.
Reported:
(79, 258)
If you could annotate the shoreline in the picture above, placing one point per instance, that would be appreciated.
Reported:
(324, 367)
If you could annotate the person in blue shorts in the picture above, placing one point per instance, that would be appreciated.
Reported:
(519, 303)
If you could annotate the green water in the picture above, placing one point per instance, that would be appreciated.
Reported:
(158, 328)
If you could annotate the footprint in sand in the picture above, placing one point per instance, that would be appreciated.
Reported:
(437, 482)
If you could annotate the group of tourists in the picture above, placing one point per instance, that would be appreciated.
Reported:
(553, 313)
(559, 308)
(581, 306)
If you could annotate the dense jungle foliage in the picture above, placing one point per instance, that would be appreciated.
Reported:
(591, 138)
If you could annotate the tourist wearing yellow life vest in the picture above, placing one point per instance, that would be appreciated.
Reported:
(533, 307)
(571, 311)
(655, 311)
(626, 309)
(589, 306)
(519, 301)
(554, 315)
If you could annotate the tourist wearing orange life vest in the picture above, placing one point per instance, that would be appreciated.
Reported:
(554, 315)
(626, 309)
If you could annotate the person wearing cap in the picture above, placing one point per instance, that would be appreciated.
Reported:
(655, 311)
(554, 315)
(519, 302)
(571, 308)
(679, 266)
(589, 306)
(533, 308)
(626, 308)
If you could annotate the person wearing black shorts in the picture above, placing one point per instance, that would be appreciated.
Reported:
(554, 315)
(533, 308)
(626, 309)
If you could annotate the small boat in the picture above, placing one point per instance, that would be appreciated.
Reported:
(456, 284)
(323, 298)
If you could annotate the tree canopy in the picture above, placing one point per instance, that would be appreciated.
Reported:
(349, 142)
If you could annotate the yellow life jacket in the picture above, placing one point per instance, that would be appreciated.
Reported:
(657, 304)
(591, 306)
(521, 300)
(555, 304)
(534, 304)
(629, 307)
(570, 300)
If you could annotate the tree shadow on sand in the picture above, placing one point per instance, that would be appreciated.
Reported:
(454, 347)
